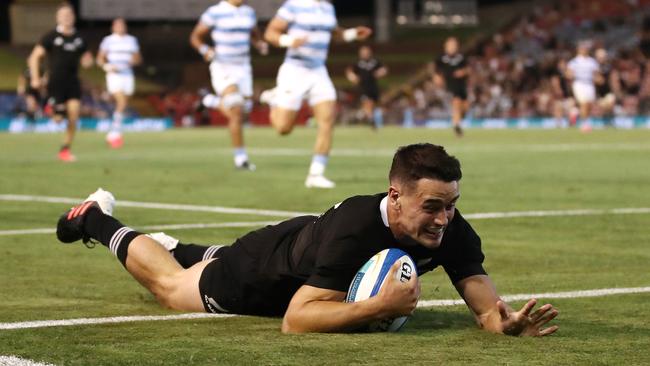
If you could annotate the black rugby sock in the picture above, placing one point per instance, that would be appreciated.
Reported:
(110, 232)
(188, 255)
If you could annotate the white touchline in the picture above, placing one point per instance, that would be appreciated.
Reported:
(17, 361)
(421, 304)
(546, 295)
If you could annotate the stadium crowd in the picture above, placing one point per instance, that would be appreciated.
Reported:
(521, 71)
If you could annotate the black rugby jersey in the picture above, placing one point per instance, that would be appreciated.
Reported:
(64, 54)
(267, 266)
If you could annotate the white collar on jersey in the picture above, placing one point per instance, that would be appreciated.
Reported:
(59, 28)
(383, 209)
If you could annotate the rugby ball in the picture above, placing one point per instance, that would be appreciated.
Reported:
(370, 278)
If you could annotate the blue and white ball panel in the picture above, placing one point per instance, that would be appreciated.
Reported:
(370, 278)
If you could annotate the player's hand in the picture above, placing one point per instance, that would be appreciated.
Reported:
(209, 54)
(35, 83)
(363, 33)
(525, 323)
(459, 74)
(262, 47)
(109, 68)
(298, 41)
(399, 298)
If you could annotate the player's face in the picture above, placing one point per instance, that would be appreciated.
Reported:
(365, 53)
(65, 17)
(119, 26)
(451, 46)
(425, 211)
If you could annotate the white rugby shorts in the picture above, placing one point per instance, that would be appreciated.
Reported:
(124, 83)
(584, 92)
(224, 75)
(295, 83)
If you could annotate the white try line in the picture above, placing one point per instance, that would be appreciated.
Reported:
(421, 304)
(17, 361)
(211, 225)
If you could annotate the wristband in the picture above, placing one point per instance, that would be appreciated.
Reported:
(286, 40)
(204, 49)
(350, 34)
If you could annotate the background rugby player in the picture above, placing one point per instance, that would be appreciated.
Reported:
(365, 73)
(305, 28)
(118, 54)
(451, 72)
(65, 50)
(232, 26)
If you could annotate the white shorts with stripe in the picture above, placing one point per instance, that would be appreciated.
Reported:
(295, 83)
(224, 75)
(120, 83)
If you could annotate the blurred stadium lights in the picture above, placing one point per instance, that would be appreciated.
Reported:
(436, 13)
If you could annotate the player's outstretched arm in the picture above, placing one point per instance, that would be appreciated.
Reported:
(34, 63)
(494, 315)
(199, 33)
(318, 310)
(87, 60)
(136, 59)
(258, 41)
(359, 33)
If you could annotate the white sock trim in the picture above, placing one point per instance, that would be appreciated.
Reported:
(211, 251)
(116, 239)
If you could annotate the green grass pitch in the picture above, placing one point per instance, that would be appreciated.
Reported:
(504, 171)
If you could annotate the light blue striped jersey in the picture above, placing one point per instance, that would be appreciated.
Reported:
(231, 31)
(120, 50)
(314, 19)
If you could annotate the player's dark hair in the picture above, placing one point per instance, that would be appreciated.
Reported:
(64, 4)
(414, 162)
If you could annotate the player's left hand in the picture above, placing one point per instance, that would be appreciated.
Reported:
(525, 323)
(262, 47)
(363, 33)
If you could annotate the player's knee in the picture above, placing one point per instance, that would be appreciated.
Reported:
(164, 289)
(232, 100)
(282, 125)
(284, 129)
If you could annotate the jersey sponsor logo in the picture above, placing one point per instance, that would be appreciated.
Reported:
(58, 41)
(70, 47)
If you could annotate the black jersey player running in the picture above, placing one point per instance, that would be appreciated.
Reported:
(65, 49)
(302, 267)
(451, 72)
(365, 73)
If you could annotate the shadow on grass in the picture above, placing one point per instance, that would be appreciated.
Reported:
(436, 319)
